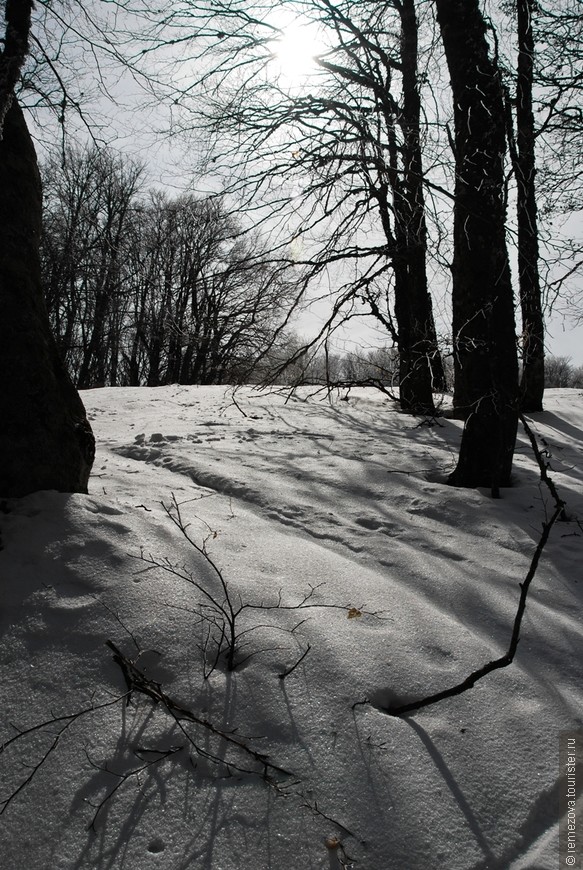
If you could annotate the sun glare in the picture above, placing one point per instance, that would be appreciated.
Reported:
(295, 52)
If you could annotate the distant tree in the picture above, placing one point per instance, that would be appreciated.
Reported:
(147, 289)
(484, 336)
(88, 232)
(377, 366)
(559, 372)
(209, 295)
(317, 366)
(45, 439)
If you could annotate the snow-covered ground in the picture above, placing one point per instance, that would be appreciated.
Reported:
(416, 585)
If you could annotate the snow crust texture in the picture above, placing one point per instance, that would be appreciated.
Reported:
(408, 585)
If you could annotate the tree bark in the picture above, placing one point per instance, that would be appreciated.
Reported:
(45, 439)
(483, 311)
(420, 365)
(398, 190)
(533, 330)
(15, 49)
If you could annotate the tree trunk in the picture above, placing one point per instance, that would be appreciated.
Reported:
(420, 366)
(14, 50)
(45, 439)
(533, 331)
(482, 299)
(423, 364)
(411, 311)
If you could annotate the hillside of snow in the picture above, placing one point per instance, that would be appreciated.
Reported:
(357, 577)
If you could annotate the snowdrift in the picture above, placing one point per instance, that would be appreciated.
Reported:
(360, 577)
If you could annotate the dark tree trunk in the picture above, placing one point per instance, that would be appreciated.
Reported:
(14, 51)
(397, 185)
(415, 378)
(45, 439)
(412, 305)
(154, 378)
(91, 371)
(482, 298)
(533, 331)
(420, 359)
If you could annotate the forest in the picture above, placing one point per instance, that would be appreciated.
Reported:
(430, 145)
(283, 453)
(142, 290)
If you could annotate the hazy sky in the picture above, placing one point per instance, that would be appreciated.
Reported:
(172, 163)
(565, 338)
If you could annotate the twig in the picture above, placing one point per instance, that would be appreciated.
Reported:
(504, 660)
(237, 405)
(139, 682)
(222, 613)
(293, 667)
(118, 619)
(162, 755)
(313, 806)
(543, 467)
(65, 722)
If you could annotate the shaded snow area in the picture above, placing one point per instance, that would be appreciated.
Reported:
(378, 582)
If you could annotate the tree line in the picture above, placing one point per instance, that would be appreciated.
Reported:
(144, 289)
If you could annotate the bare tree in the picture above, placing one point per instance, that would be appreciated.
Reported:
(559, 372)
(147, 289)
(214, 297)
(522, 140)
(558, 102)
(483, 307)
(397, 182)
(89, 196)
(337, 163)
(545, 124)
(45, 439)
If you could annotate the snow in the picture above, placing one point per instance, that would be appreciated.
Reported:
(291, 494)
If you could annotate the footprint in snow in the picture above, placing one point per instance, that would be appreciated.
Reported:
(101, 508)
(368, 523)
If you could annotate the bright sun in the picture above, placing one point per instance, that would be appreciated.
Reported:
(295, 52)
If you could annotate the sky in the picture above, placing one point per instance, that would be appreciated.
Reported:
(170, 161)
(565, 338)
(360, 580)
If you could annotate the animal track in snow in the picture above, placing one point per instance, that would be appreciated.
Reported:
(369, 523)
(96, 507)
(373, 524)
(156, 846)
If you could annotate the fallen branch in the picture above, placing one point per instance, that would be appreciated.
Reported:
(507, 659)
(137, 681)
(504, 660)
(543, 467)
